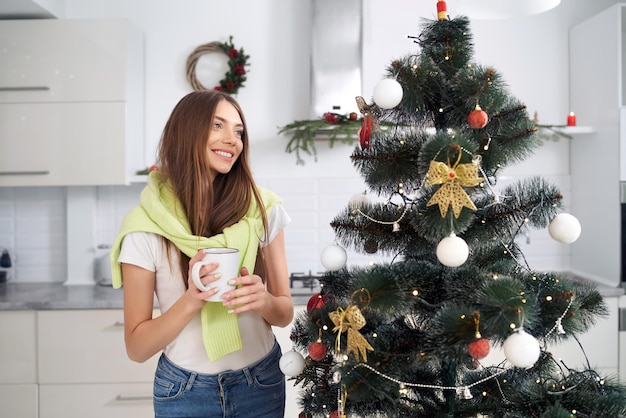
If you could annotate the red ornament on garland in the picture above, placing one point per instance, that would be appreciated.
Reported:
(479, 348)
(478, 118)
(365, 132)
(304, 414)
(317, 301)
(317, 350)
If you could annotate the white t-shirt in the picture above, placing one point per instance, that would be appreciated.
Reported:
(147, 250)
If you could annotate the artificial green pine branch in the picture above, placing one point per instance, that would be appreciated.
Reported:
(332, 126)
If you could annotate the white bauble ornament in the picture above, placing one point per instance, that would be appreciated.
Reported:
(564, 228)
(387, 93)
(521, 349)
(291, 363)
(452, 251)
(333, 257)
(358, 201)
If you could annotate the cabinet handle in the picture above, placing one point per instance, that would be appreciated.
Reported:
(25, 173)
(26, 88)
(120, 398)
(118, 324)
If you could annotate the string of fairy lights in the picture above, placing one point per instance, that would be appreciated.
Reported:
(464, 390)
(359, 202)
(464, 175)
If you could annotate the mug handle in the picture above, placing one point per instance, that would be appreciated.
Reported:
(195, 274)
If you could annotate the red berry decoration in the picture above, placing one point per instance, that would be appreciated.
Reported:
(479, 348)
(317, 301)
(317, 350)
(477, 118)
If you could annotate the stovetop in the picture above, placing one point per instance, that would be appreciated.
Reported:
(302, 283)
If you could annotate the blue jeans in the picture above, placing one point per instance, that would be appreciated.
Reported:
(256, 391)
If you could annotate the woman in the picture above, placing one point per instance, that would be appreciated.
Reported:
(218, 359)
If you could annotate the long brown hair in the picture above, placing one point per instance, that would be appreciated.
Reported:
(210, 205)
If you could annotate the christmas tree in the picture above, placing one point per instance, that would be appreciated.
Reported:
(405, 338)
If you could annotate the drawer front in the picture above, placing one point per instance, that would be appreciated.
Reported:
(63, 144)
(18, 359)
(52, 60)
(18, 401)
(122, 400)
(87, 346)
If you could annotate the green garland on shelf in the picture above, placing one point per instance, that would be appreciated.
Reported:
(344, 128)
(554, 132)
(331, 126)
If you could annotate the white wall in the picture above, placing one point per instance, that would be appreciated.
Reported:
(531, 53)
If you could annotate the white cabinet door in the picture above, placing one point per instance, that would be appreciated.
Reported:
(596, 204)
(18, 401)
(119, 400)
(292, 408)
(18, 361)
(56, 60)
(58, 144)
(86, 346)
(71, 102)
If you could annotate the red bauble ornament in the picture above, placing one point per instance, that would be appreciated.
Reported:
(317, 350)
(317, 301)
(477, 118)
(304, 414)
(478, 348)
(354, 116)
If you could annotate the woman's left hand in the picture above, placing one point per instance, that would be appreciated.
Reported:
(250, 293)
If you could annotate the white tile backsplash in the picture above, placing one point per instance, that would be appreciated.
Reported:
(33, 229)
(33, 225)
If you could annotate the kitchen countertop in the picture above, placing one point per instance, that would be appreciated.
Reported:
(48, 296)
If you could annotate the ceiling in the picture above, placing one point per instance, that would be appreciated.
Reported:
(23, 9)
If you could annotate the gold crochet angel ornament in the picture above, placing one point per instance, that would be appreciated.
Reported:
(452, 178)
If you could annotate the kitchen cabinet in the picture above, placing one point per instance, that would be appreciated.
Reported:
(71, 102)
(96, 401)
(292, 389)
(70, 363)
(83, 363)
(598, 162)
(18, 364)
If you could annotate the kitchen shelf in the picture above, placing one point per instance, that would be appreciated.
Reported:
(138, 179)
(576, 130)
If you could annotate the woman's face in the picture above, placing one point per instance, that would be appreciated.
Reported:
(225, 139)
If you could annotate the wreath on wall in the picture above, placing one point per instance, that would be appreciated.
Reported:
(237, 61)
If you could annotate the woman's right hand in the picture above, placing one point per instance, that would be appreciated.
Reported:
(206, 277)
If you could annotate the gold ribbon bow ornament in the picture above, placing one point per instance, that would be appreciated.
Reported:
(351, 320)
(452, 179)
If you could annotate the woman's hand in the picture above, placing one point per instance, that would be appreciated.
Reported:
(206, 277)
(249, 295)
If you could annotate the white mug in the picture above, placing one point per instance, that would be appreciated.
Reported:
(228, 267)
